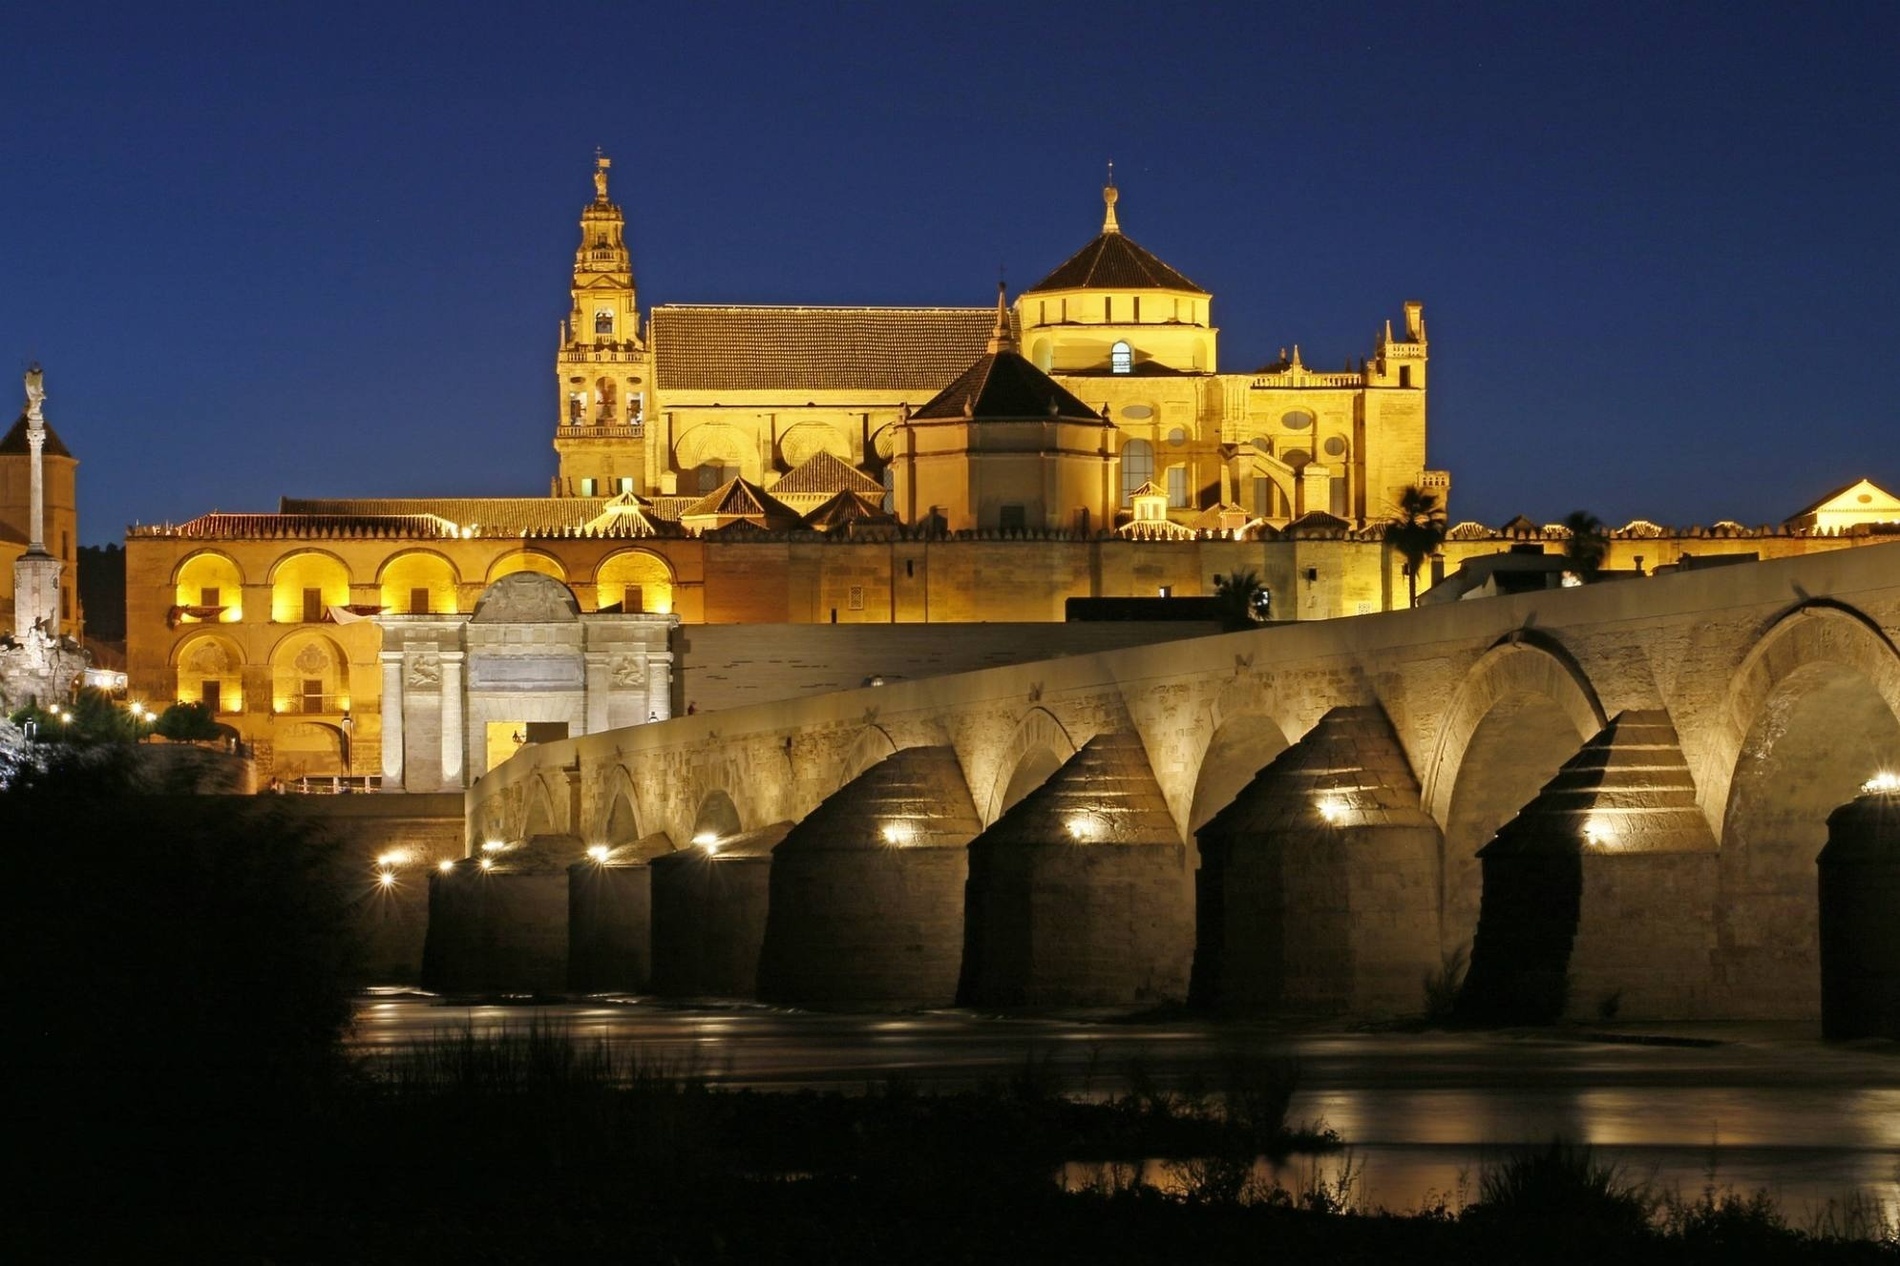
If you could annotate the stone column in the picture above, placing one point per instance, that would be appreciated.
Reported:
(660, 684)
(599, 690)
(36, 442)
(392, 720)
(454, 742)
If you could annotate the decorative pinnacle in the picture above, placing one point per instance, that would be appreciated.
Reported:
(1001, 340)
(1109, 195)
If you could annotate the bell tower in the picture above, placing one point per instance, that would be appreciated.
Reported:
(602, 371)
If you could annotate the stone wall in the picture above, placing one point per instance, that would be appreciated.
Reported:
(730, 665)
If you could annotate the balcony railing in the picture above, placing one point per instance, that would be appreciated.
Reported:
(313, 705)
(635, 431)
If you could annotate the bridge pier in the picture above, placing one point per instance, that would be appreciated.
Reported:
(1081, 895)
(1318, 888)
(1860, 918)
(502, 928)
(866, 909)
(609, 927)
(1598, 894)
(709, 907)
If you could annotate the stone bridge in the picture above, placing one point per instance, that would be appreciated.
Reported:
(1612, 797)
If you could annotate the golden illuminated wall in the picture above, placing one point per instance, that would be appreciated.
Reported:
(211, 579)
(202, 658)
(254, 661)
(634, 568)
(422, 575)
(1075, 331)
(297, 575)
(310, 675)
(526, 560)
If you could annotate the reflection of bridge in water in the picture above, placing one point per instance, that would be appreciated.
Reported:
(1290, 816)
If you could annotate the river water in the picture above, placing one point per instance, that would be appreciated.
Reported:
(1742, 1107)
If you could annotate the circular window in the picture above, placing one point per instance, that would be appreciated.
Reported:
(1296, 420)
(1264, 444)
(1137, 412)
(1335, 446)
(1865, 498)
(1297, 458)
(1177, 437)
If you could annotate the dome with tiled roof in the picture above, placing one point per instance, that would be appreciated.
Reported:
(1114, 262)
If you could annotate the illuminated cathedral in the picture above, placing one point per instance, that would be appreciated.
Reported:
(741, 466)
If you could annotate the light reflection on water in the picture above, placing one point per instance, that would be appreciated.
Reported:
(1422, 1113)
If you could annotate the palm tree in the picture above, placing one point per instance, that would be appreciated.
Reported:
(1588, 543)
(1242, 598)
(1416, 532)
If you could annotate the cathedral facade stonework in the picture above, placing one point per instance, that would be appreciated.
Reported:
(703, 393)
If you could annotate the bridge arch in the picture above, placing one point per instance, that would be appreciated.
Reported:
(619, 820)
(538, 816)
(1037, 749)
(1522, 710)
(870, 747)
(1813, 713)
(716, 817)
(1247, 728)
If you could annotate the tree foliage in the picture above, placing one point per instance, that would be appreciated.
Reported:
(1416, 532)
(1244, 601)
(186, 722)
(1589, 542)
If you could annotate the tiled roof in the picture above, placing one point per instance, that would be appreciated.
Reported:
(491, 516)
(1002, 385)
(915, 350)
(848, 508)
(622, 516)
(741, 499)
(825, 473)
(1112, 262)
(14, 441)
(668, 508)
(1315, 522)
(271, 526)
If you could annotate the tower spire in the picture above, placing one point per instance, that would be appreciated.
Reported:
(601, 164)
(1109, 195)
(1001, 339)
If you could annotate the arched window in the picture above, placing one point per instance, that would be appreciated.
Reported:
(603, 323)
(1138, 467)
(714, 474)
(1121, 358)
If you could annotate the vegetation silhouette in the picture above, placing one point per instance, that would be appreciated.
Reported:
(1415, 532)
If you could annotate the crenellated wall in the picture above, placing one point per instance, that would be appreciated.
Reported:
(1777, 685)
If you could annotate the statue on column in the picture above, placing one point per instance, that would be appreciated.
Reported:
(35, 393)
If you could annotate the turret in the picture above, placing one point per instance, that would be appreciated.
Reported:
(603, 373)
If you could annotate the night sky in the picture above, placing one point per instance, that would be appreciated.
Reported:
(323, 249)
